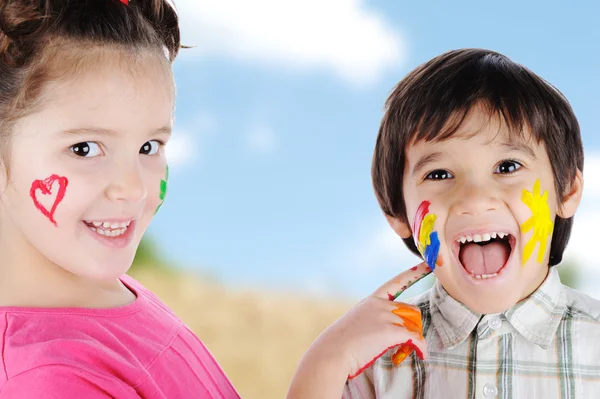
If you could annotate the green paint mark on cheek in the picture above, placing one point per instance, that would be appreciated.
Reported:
(163, 189)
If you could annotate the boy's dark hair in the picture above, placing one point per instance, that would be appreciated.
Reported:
(431, 102)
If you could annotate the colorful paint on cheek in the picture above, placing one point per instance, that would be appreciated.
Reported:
(540, 222)
(163, 189)
(46, 191)
(426, 239)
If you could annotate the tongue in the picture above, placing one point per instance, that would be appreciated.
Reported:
(484, 259)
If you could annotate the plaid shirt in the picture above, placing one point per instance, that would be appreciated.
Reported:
(543, 347)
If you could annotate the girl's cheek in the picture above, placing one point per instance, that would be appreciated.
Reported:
(158, 191)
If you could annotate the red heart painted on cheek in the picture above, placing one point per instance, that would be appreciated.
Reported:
(45, 187)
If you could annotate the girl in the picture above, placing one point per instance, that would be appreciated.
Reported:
(86, 107)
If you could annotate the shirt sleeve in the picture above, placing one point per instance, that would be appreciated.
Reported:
(60, 381)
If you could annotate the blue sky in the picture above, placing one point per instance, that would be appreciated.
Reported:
(278, 109)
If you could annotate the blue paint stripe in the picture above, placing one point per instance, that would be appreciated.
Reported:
(431, 252)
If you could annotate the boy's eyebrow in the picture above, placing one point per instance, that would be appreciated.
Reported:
(109, 132)
(424, 161)
(518, 146)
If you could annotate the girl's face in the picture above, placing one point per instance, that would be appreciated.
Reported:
(86, 169)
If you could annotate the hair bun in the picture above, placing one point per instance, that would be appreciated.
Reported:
(21, 23)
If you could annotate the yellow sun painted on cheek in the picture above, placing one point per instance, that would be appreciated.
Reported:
(540, 221)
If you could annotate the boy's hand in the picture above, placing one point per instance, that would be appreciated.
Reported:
(377, 324)
(361, 336)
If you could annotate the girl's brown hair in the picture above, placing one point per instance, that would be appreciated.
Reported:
(41, 40)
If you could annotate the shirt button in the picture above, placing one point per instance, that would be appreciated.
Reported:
(490, 390)
(495, 323)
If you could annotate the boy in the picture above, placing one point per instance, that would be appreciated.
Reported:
(478, 167)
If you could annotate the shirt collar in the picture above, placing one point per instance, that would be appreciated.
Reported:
(535, 318)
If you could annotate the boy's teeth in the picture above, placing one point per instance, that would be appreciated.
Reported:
(481, 237)
(483, 276)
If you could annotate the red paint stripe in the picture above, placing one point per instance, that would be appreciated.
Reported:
(366, 366)
(422, 211)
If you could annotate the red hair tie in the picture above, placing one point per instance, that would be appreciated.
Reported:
(126, 2)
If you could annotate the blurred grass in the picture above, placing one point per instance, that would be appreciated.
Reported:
(257, 337)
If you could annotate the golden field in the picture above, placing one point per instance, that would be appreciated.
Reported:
(257, 337)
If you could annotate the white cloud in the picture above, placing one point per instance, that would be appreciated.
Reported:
(341, 36)
(185, 145)
(180, 149)
(581, 248)
(382, 250)
(261, 139)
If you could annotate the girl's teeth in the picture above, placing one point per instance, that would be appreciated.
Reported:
(109, 229)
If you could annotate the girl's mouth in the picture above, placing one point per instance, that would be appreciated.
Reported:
(113, 234)
(484, 256)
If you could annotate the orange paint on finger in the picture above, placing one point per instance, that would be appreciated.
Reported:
(407, 311)
(403, 310)
(401, 354)
(417, 331)
(411, 326)
(404, 350)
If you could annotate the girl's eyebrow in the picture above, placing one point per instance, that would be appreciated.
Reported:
(424, 161)
(109, 132)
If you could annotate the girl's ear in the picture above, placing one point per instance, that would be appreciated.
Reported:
(400, 227)
(571, 201)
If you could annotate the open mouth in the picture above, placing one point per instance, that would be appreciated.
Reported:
(484, 256)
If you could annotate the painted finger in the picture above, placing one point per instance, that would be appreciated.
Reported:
(404, 350)
(411, 326)
(394, 287)
(407, 311)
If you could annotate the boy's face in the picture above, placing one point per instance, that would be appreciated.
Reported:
(482, 184)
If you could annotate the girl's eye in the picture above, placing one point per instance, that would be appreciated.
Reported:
(150, 147)
(86, 149)
(439, 174)
(507, 167)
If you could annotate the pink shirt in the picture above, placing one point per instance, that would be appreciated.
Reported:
(141, 350)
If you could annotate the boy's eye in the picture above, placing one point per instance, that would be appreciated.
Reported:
(150, 147)
(86, 149)
(439, 174)
(506, 167)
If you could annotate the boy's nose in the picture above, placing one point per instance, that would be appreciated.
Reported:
(475, 199)
(127, 184)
